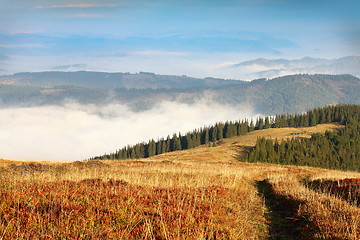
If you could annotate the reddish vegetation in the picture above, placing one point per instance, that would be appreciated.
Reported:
(347, 189)
(114, 209)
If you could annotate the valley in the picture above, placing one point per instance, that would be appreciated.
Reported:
(200, 193)
(179, 120)
(145, 91)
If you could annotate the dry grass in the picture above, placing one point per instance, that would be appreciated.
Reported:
(249, 139)
(202, 193)
(326, 217)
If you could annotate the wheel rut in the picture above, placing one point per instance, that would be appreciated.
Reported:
(281, 214)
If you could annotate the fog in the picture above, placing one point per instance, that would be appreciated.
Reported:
(77, 132)
(200, 65)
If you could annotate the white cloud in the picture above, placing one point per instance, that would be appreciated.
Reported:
(200, 65)
(80, 5)
(161, 62)
(159, 53)
(22, 46)
(84, 15)
(225, 65)
(76, 132)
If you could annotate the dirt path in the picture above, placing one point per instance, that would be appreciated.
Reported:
(281, 214)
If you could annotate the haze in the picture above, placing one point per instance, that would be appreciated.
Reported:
(78, 132)
(198, 38)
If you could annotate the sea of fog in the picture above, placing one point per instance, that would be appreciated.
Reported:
(77, 132)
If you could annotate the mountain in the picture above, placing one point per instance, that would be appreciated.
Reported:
(267, 68)
(105, 80)
(293, 93)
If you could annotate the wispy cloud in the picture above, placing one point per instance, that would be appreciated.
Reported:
(29, 45)
(80, 5)
(84, 15)
(158, 53)
(70, 67)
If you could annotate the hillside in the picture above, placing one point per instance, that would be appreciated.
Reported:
(200, 193)
(231, 150)
(346, 155)
(295, 93)
(104, 80)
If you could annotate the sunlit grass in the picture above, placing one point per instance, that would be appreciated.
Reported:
(202, 193)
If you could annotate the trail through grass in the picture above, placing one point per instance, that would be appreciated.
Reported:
(201, 193)
(281, 214)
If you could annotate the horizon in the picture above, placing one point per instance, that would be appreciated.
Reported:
(288, 73)
(197, 38)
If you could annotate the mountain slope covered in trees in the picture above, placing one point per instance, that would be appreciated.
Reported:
(104, 80)
(336, 150)
(288, 94)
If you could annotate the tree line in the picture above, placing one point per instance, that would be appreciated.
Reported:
(211, 134)
(334, 150)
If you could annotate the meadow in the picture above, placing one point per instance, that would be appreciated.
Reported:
(200, 193)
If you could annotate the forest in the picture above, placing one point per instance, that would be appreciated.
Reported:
(143, 91)
(335, 150)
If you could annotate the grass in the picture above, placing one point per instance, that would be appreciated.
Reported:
(324, 216)
(201, 193)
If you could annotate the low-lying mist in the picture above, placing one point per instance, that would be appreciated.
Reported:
(77, 132)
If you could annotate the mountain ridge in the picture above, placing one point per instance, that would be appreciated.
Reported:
(92, 79)
(292, 93)
(270, 68)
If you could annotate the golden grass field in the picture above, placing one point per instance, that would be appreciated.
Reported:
(201, 193)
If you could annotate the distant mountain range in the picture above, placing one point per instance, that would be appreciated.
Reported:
(105, 80)
(261, 67)
(293, 93)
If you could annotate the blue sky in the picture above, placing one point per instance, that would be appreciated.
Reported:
(198, 37)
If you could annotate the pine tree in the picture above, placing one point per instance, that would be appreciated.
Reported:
(151, 151)
(220, 131)
(204, 135)
(213, 133)
(252, 126)
(159, 145)
(267, 123)
(312, 119)
(259, 124)
(188, 142)
(166, 147)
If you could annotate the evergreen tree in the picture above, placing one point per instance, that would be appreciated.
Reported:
(166, 147)
(213, 133)
(204, 135)
(259, 124)
(175, 143)
(220, 131)
(151, 151)
(341, 150)
(188, 142)
(252, 126)
(312, 119)
(267, 123)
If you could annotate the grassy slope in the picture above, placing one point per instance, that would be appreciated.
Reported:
(201, 193)
(230, 150)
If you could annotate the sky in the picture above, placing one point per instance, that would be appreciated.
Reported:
(199, 38)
